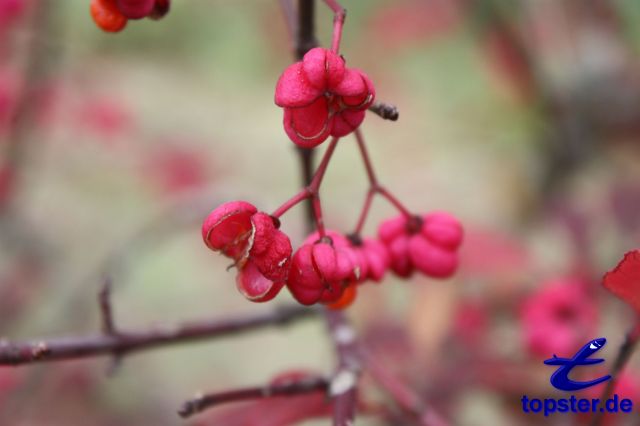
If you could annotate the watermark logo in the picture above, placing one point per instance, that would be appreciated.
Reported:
(560, 378)
(561, 381)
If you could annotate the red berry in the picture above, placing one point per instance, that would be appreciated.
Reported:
(135, 9)
(107, 16)
(160, 9)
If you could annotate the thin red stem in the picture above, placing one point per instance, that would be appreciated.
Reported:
(291, 202)
(339, 15)
(317, 213)
(311, 191)
(393, 200)
(368, 165)
(404, 396)
(314, 186)
(375, 186)
(365, 211)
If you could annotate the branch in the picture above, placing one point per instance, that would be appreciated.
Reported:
(404, 396)
(125, 342)
(624, 354)
(297, 387)
(343, 387)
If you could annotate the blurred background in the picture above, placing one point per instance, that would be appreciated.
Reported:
(520, 117)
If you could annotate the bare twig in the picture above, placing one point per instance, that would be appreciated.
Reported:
(343, 384)
(385, 111)
(624, 354)
(343, 388)
(297, 387)
(404, 396)
(104, 300)
(125, 342)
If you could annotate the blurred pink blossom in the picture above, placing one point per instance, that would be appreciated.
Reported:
(558, 318)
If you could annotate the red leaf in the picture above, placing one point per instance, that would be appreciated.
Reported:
(624, 280)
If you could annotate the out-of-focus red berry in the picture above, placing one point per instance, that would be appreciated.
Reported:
(558, 317)
(428, 243)
(160, 9)
(135, 9)
(107, 16)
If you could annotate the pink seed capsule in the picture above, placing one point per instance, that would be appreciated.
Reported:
(135, 9)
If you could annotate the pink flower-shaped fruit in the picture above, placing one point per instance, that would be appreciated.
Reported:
(228, 227)
(253, 285)
(624, 279)
(429, 243)
(261, 252)
(319, 273)
(558, 318)
(135, 9)
(322, 97)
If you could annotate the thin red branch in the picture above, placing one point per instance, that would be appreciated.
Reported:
(364, 153)
(339, 15)
(126, 342)
(393, 200)
(304, 194)
(209, 400)
(365, 211)
(312, 190)
(374, 186)
(404, 396)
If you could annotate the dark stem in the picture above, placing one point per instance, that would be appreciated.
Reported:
(305, 40)
(297, 387)
(125, 342)
(624, 354)
(343, 388)
(343, 385)
(104, 300)
(305, 31)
